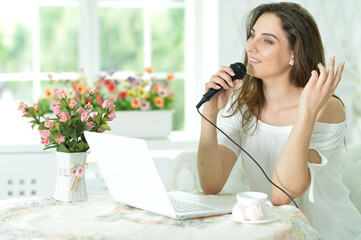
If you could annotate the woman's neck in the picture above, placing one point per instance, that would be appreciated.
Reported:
(281, 102)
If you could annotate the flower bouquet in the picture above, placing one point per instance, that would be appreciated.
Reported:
(64, 131)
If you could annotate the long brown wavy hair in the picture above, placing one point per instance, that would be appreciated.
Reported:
(304, 40)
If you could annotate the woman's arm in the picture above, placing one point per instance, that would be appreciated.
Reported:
(215, 162)
(291, 171)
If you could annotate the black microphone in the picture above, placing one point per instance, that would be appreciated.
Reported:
(240, 71)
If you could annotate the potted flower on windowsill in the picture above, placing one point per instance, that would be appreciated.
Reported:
(64, 131)
(143, 104)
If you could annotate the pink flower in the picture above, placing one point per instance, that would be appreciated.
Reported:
(36, 106)
(88, 111)
(67, 115)
(162, 92)
(61, 93)
(72, 104)
(111, 116)
(22, 107)
(80, 110)
(54, 103)
(144, 105)
(63, 117)
(100, 130)
(44, 133)
(106, 104)
(93, 91)
(84, 117)
(45, 141)
(94, 117)
(56, 110)
(61, 139)
(49, 124)
(90, 125)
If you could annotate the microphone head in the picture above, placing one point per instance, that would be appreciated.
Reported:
(239, 70)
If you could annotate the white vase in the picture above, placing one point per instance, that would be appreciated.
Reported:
(142, 124)
(70, 184)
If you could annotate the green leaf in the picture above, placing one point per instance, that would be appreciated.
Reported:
(57, 126)
(105, 126)
(82, 100)
(62, 148)
(28, 115)
(48, 147)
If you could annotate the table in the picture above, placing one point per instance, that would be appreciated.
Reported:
(102, 218)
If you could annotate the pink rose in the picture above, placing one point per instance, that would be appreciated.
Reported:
(93, 91)
(90, 125)
(44, 133)
(49, 124)
(36, 106)
(61, 139)
(84, 117)
(111, 116)
(106, 104)
(94, 117)
(56, 110)
(88, 111)
(80, 110)
(72, 104)
(61, 93)
(67, 115)
(22, 107)
(45, 141)
(63, 117)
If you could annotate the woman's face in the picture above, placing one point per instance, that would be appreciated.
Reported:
(267, 48)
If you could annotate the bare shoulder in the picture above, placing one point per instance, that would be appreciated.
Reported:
(332, 112)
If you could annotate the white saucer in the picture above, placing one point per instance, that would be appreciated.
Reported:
(270, 217)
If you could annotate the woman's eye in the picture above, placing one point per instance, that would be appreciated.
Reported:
(268, 41)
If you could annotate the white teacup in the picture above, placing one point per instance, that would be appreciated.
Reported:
(252, 206)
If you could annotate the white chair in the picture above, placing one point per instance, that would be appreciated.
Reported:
(183, 175)
(27, 174)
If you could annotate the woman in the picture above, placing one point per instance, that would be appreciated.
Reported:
(285, 115)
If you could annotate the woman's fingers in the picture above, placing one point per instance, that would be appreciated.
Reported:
(323, 75)
(338, 74)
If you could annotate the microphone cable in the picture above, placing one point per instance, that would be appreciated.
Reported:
(248, 156)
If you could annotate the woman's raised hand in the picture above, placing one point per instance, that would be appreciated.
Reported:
(221, 79)
(320, 88)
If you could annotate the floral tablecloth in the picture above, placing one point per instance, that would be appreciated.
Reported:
(102, 218)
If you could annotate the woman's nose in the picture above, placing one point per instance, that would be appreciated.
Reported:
(251, 45)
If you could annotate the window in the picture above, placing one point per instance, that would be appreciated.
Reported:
(62, 36)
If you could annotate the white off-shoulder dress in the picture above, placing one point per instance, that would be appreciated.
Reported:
(326, 203)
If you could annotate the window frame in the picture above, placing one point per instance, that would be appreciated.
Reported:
(89, 46)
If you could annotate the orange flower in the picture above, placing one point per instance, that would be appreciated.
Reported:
(81, 89)
(149, 69)
(155, 88)
(159, 102)
(48, 93)
(170, 77)
(135, 103)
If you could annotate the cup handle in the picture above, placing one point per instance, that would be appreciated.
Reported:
(268, 205)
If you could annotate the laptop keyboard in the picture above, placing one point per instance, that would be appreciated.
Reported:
(182, 206)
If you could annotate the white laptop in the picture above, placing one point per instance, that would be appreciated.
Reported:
(132, 178)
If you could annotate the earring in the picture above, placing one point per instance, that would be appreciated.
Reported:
(292, 62)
